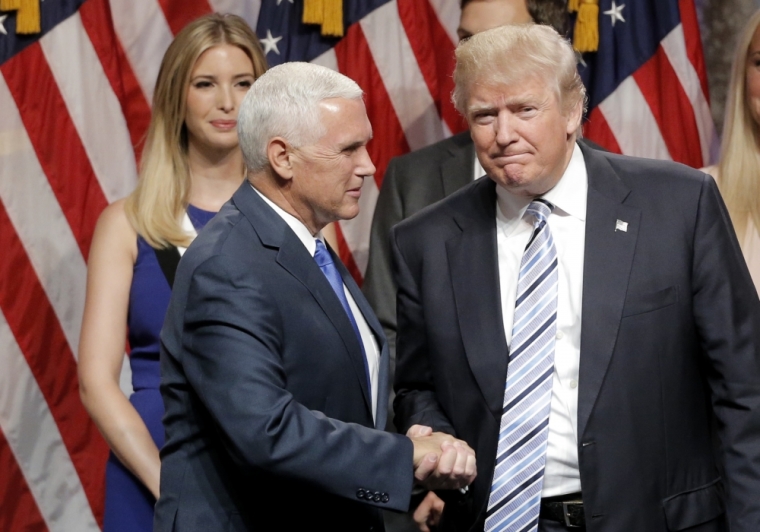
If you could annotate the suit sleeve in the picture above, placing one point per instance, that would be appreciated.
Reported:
(231, 344)
(727, 314)
(415, 401)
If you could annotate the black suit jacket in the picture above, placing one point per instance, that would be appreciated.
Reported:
(670, 343)
(411, 183)
(268, 417)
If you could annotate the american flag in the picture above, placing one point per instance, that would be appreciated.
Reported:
(648, 84)
(74, 108)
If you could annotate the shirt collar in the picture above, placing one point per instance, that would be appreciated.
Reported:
(569, 195)
(301, 231)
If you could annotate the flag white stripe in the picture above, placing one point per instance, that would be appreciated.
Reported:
(632, 122)
(41, 225)
(328, 60)
(248, 10)
(38, 446)
(93, 106)
(448, 12)
(674, 45)
(145, 35)
(403, 80)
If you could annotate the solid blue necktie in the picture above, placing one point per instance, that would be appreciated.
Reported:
(515, 497)
(325, 262)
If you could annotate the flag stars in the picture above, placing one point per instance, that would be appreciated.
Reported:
(615, 13)
(2, 27)
(270, 43)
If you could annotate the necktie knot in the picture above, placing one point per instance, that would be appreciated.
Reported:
(322, 256)
(540, 209)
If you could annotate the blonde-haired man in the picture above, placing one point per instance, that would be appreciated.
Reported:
(578, 317)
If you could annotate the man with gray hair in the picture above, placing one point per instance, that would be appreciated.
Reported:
(271, 360)
(584, 320)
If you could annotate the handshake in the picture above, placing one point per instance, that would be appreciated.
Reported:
(440, 460)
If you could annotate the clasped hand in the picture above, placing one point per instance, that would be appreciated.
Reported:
(440, 460)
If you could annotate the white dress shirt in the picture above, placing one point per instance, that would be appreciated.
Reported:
(371, 349)
(567, 223)
(477, 169)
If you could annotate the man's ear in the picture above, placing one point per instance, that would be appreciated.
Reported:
(574, 119)
(278, 153)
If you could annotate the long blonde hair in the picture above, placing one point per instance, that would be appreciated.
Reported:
(739, 167)
(156, 206)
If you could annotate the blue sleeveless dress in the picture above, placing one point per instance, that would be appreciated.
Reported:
(129, 504)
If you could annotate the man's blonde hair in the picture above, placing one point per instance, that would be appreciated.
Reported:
(511, 54)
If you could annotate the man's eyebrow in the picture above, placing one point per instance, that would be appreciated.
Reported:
(479, 108)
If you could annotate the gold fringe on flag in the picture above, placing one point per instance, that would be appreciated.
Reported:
(326, 13)
(9, 5)
(573, 5)
(586, 34)
(28, 20)
(313, 12)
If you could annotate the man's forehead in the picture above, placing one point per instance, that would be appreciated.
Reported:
(345, 119)
(496, 91)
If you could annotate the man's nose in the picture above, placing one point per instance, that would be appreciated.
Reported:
(506, 133)
(366, 166)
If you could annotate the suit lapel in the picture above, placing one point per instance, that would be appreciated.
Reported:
(608, 258)
(456, 169)
(294, 258)
(474, 269)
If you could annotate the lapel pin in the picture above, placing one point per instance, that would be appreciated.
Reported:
(620, 225)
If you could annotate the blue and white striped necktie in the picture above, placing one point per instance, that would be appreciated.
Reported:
(513, 504)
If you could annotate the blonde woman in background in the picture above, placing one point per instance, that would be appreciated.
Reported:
(191, 165)
(738, 172)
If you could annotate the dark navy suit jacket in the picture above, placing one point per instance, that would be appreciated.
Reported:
(670, 348)
(268, 414)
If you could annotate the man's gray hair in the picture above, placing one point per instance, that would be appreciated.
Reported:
(514, 53)
(284, 102)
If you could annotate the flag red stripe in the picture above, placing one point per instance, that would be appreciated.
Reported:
(671, 108)
(434, 52)
(598, 130)
(179, 14)
(355, 61)
(19, 509)
(96, 18)
(56, 141)
(690, 24)
(413, 14)
(39, 336)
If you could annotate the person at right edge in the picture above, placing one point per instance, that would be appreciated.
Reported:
(738, 172)
(584, 320)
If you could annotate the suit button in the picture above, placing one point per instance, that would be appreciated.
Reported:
(385, 497)
(377, 497)
(360, 493)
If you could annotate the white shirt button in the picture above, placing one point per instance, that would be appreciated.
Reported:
(560, 335)
(573, 384)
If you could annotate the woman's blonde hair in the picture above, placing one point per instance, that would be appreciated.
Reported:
(156, 206)
(739, 167)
